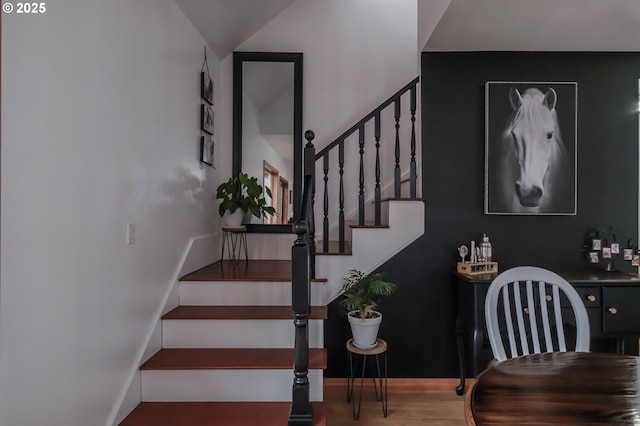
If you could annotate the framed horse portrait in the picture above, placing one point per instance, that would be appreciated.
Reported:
(530, 148)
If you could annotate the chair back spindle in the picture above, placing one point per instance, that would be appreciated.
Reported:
(533, 323)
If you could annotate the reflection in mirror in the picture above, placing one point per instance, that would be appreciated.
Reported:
(267, 129)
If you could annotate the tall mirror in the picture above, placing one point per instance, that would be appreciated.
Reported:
(267, 127)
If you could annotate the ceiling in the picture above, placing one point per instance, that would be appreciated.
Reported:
(465, 25)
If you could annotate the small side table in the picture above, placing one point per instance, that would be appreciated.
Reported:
(234, 238)
(380, 349)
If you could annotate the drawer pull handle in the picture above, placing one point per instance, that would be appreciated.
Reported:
(548, 297)
(591, 298)
(526, 311)
(613, 311)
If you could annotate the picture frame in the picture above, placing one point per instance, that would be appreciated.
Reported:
(206, 149)
(523, 116)
(206, 118)
(206, 87)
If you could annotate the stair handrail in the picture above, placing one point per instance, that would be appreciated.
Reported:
(339, 142)
(301, 413)
(367, 117)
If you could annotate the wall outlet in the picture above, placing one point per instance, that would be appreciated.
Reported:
(131, 233)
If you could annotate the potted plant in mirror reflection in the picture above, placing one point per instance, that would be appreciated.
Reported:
(361, 293)
(243, 197)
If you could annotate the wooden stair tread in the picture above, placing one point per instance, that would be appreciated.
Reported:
(252, 270)
(241, 312)
(217, 414)
(403, 199)
(334, 248)
(368, 225)
(231, 359)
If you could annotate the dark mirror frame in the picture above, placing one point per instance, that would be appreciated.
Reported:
(296, 58)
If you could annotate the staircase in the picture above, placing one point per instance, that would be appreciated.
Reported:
(239, 354)
(227, 356)
(229, 349)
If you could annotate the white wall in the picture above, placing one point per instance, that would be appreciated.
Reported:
(100, 127)
(357, 53)
(257, 149)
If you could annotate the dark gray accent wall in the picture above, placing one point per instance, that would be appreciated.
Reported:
(419, 320)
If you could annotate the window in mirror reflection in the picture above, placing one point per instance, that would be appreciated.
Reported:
(279, 200)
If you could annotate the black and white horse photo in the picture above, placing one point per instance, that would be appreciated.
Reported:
(529, 168)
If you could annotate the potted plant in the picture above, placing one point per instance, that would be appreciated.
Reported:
(243, 195)
(361, 292)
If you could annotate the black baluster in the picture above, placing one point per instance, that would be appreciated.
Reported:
(341, 247)
(396, 175)
(377, 194)
(325, 221)
(310, 170)
(361, 193)
(412, 165)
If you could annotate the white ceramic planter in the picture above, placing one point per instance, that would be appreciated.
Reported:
(364, 331)
(234, 219)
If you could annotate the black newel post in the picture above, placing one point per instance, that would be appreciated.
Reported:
(301, 254)
(301, 409)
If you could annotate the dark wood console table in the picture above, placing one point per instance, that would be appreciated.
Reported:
(612, 300)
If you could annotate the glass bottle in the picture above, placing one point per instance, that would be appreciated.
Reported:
(485, 249)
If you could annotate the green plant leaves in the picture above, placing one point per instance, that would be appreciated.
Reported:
(244, 193)
(361, 290)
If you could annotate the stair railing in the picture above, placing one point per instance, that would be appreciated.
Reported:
(339, 144)
(301, 413)
(304, 248)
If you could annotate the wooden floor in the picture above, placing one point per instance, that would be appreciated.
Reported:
(405, 408)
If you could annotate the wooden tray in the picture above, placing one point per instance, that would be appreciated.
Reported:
(477, 268)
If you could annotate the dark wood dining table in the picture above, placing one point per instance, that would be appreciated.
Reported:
(557, 388)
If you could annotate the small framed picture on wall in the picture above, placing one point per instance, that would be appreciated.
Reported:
(206, 87)
(206, 118)
(206, 149)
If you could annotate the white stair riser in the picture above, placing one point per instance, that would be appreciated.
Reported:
(224, 385)
(372, 247)
(242, 293)
(236, 334)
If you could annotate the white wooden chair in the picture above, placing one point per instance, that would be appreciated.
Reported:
(537, 312)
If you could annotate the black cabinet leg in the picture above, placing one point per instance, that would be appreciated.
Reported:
(460, 340)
